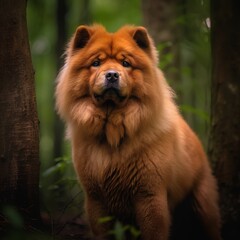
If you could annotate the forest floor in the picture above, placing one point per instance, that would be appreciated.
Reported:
(69, 228)
(74, 228)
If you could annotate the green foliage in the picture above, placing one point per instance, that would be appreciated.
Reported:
(63, 175)
(198, 112)
(120, 230)
(114, 14)
(106, 219)
(61, 166)
(165, 59)
(15, 228)
(13, 217)
(60, 187)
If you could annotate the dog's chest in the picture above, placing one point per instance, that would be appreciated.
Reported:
(119, 187)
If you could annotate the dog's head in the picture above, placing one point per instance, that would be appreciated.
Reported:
(106, 71)
(109, 67)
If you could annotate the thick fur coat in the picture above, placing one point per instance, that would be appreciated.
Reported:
(135, 156)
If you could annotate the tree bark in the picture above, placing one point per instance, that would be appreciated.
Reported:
(19, 140)
(160, 17)
(61, 14)
(224, 145)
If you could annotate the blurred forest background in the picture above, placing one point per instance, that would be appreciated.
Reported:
(181, 34)
(200, 65)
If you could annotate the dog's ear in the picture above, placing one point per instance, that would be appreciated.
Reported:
(145, 42)
(81, 37)
(140, 36)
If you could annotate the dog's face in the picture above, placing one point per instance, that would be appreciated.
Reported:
(108, 67)
(107, 72)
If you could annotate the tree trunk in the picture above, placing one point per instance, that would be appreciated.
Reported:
(19, 140)
(61, 14)
(160, 17)
(224, 145)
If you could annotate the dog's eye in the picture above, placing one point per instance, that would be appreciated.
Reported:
(96, 63)
(126, 64)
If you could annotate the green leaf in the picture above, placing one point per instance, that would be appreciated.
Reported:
(198, 112)
(134, 232)
(119, 231)
(105, 219)
(13, 217)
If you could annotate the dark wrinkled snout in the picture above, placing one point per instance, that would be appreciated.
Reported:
(112, 80)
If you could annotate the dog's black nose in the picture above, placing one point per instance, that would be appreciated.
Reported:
(112, 76)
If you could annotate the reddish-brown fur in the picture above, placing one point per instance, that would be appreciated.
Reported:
(135, 156)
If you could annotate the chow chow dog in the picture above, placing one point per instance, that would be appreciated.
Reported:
(136, 158)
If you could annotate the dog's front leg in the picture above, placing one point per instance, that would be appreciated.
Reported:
(95, 213)
(153, 217)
